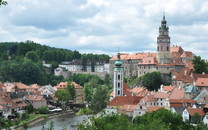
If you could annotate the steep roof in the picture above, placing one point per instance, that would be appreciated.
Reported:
(134, 56)
(148, 60)
(193, 111)
(177, 93)
(137, 89)
(168, 88)
(202, 82)
(150, 109)
(161, 95)
(187, 54)
(179, 110)
(124, 100)
(191, 89)
(182, 101)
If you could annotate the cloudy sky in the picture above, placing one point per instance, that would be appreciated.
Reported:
(103, 26)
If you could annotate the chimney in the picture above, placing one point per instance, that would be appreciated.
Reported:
(185, 72)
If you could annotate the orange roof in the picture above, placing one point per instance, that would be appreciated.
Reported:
(129, 108)
(177, 49)
(150, 109)
(124, 100)
(21, 86)
(161, 95)
(196, 76)
(137, 89)
(134, 56)
(177, 93)
(168, 88)
(193, 111)
(202, 82)
(148, 98)
(148, 60)
(182, 101)
(187, 54)
(206, 106)
(35, 86)
(62, 85)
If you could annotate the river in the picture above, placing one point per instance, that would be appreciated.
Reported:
(68, 121)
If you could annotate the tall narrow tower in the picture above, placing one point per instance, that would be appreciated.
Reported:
(118, 77)
(163, 43)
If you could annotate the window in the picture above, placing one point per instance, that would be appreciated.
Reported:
(119, 85)
(118, 92)
(118, 77)
(167, 48)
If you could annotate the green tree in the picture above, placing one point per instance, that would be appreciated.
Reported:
(23, 48)
(32, 55)
(162, 116)
(71, 89)
(63, 95)
(3, 2)
(99, 98)
(107, 122)
(200, 65)
(152, 81)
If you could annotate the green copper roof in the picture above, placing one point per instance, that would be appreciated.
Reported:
(118, 62)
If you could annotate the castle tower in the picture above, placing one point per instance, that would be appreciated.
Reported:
(163, 43)
(118, 77)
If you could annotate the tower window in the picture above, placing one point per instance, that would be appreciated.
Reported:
(119, 77)
(118, 92)
(119, 85)
(158, 48)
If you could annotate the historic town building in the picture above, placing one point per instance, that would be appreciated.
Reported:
(165, 60)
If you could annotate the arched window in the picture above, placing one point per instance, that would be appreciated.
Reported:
(119, 85)
(118, 77)
(118, 92)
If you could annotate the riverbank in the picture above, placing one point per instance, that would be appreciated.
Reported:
(39, 119)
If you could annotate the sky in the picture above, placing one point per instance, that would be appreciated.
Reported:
(106, 26)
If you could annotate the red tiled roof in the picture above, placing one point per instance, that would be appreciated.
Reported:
(196, 76)
(177, 49)
(182, 101)
(193, 111)
(202, 82)
(134, 56)
(129, 108)
(148, 60)
(187, 54)
(124, 100)
(206, 106)
(22, 86)
(168, 88)
(126, 90)
(148, 98)
(177, 93)
(137, 89)
(161, 95)
(150, 109)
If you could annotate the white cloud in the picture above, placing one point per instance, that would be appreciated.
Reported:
(106, 25)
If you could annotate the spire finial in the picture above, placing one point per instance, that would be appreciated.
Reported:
(164, 15)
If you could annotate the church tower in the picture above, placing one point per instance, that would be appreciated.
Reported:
(163, 43)
(118, 77)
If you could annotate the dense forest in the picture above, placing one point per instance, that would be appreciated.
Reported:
(22, 62)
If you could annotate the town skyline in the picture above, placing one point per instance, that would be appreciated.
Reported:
(104, 26)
